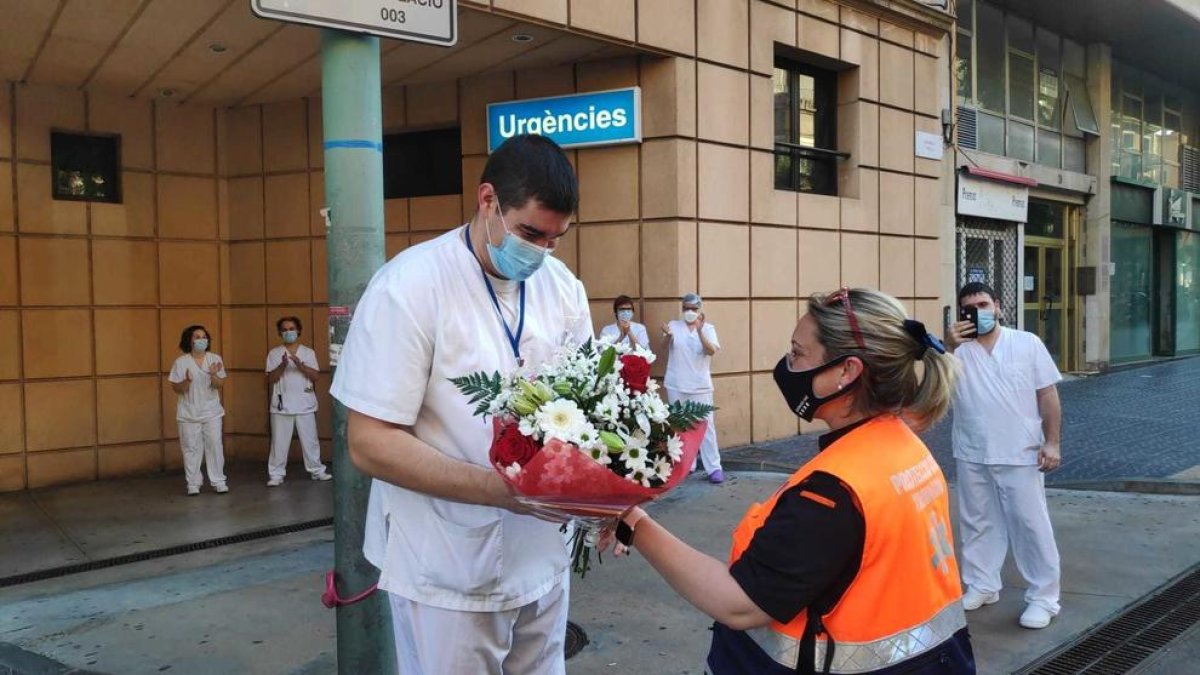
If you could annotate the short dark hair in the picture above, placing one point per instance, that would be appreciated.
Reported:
(532, 167)
(293, 319)
(975, 288)
(185, 339)
(621, 300)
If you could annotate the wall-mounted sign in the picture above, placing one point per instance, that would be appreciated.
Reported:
(929, 146)
(433, 22)
(573, 121)
(1176, 205)
(993, 199)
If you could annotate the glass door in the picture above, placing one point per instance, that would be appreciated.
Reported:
(1045, 294)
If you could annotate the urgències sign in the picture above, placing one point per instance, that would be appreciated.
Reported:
(573, 121)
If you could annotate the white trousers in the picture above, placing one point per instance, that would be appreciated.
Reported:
(709, 453)
(528, 640)
(201, 441)
(999, 504)
(281, 441)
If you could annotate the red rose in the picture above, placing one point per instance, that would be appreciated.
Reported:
(635, 371)
(511, 446)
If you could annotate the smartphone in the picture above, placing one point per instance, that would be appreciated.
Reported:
(970, 314)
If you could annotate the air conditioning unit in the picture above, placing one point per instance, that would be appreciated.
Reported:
(968, 134)
(1189, 159)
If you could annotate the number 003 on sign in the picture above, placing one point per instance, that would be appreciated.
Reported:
(430, 21)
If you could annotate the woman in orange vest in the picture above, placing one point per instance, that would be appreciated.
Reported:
(849, 567)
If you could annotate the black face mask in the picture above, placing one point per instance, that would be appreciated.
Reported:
(797, 387)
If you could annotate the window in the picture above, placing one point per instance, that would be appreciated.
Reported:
(422, 164)
(85, 168)
(1149, 128)
(805, 104)
(1018, 76)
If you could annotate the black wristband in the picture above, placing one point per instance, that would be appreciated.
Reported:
(624, 534)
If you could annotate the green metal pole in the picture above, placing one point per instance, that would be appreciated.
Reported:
(350, 91)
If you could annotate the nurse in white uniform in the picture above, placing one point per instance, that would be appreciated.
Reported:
(292, 372)
(197, 377)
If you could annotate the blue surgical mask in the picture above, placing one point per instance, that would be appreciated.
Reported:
(515, 258)
(987, 321)
(290, 336)
(200, 345)
(625, 315)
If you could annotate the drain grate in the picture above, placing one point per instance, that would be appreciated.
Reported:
(117, 561)
(576, 640)
(1121, 643)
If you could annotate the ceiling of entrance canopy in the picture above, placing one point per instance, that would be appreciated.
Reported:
(216, 52)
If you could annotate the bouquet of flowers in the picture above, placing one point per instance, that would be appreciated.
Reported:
(586, 436)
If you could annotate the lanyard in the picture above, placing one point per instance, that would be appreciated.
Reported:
(514, 339)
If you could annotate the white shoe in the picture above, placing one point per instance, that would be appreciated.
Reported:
(1035, 616)
(323, 476)
(193, 490)
(221, 488)
(275, 482)
(973, 599)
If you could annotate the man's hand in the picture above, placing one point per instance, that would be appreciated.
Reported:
(214, 368)
(295, 359)
(666, 329)
(187, 380)
(960, 332)
(701, 320)
(1049, 457)
(624, 327)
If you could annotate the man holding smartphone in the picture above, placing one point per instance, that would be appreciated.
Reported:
(1007, 421)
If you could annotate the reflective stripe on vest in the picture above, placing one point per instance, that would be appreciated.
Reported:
(866, 657)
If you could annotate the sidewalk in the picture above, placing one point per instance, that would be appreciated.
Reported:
(254, 607)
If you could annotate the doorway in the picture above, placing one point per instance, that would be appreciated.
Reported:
(1045, 288)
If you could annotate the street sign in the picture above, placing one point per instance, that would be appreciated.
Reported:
(573, 121)
(433, 22)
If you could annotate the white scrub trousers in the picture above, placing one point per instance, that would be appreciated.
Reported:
(709, 453)
(999, 503)
(528, 640)
(201, 441)
(281, 441)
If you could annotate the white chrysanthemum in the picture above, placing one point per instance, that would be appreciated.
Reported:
(675, 447)
(663, 469)
(635, 454)
(561, 419)
(587, 437)
(512, 470)
(607, 410)
(600, 454)
(641, 475)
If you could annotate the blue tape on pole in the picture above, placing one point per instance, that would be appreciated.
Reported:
(354, 143)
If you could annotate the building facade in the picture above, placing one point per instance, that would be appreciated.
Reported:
(1077, 136)
(162, 166)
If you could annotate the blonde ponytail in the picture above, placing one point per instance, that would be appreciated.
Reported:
(903, 373)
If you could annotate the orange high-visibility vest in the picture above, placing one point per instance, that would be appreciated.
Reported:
(906, 598)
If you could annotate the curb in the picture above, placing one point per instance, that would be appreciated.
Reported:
(1148, 486)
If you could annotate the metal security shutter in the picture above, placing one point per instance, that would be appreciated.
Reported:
(988, 252)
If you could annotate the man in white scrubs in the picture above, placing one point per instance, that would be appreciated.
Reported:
(625, 330)
(1007, 420)
(476, 585)
(292, 372)
(691, 343)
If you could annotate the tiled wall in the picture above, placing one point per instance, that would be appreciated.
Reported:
(93, 296)
(220, 223)
(693, 207)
